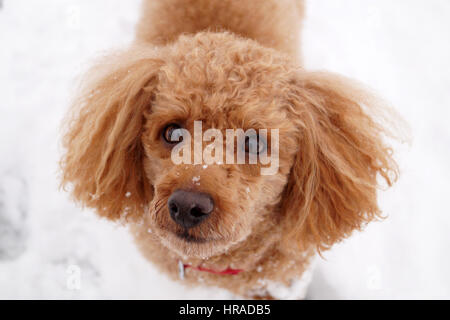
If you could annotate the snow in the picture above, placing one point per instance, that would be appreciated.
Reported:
(49, 248)
(296, 290)
(196, 180)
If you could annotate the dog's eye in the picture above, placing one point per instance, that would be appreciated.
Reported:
(172, 133)
(255, 144)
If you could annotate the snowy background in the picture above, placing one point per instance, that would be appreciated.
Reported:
(400, 48)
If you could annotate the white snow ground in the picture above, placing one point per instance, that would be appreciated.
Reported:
(400, 48)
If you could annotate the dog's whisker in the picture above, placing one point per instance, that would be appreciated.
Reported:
(158, 209)
(158, 203)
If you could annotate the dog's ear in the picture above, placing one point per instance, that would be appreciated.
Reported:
(102, 163)
(333, 184)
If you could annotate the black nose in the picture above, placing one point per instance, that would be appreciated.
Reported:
(189, 208)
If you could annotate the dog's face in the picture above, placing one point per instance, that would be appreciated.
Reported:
(121, 141)
(202, 209)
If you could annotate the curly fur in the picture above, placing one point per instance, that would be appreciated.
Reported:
(221, 63)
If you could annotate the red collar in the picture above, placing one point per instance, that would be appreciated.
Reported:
(229, 271)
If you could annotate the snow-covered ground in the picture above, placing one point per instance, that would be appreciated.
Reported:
(400, 48)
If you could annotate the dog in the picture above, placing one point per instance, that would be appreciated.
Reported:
(228, 64)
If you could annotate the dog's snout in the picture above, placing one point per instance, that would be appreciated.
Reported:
(189, 208)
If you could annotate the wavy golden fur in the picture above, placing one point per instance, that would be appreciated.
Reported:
(231, 64)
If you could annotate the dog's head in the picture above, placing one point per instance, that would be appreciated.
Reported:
(135, 106)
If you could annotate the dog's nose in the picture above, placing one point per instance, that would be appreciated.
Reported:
(189, 208)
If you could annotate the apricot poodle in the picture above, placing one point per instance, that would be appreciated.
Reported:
(229, 64)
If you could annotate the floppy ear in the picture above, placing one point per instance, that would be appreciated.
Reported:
(332, 188)
(103, 152)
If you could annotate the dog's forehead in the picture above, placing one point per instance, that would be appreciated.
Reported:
(246, 107)
(241, 84)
